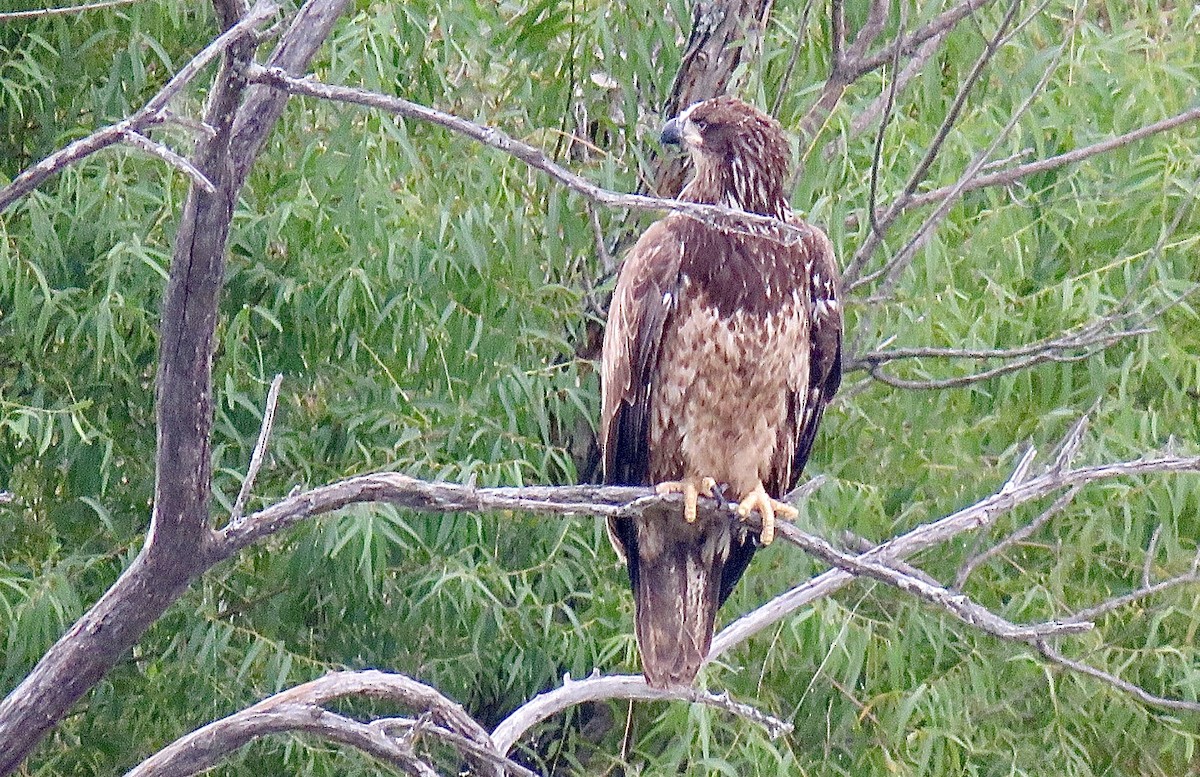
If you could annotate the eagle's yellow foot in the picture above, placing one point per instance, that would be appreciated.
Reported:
(768, 508)
(692, 489)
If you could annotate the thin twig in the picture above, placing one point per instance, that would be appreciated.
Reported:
(260, 449)
(1147, 589)
(41, 13)
(1124, 686)
(943, 23)
(1015, 174)
(606, 258)
(877, 154)
(1151, 551)
(793, 58)
(979, 559)
(873, 240)
(156, 149)
(904, 257)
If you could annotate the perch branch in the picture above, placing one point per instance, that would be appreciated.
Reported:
(1021, 488)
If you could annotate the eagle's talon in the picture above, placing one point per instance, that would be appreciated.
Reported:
(768, 508)
(692, 489)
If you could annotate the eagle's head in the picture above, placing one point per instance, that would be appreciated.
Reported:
(740, 154)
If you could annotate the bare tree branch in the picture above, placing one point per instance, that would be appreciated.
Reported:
(843, 61)
(896, 84)
(875, 237)
(41, 13)
(207, 747)
(1014, 174)
(1021, 488)
(1136, 691)
(956, 604)
(908, 44)
(300, 708)
(173, 553)
(979, 559)
(574, 692)
(143, 143)
(715, 215)
(150, 114)
(1192, 575)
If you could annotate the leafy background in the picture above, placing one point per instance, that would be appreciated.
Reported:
(426, 298)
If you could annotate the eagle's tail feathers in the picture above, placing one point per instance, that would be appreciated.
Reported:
(675, 608)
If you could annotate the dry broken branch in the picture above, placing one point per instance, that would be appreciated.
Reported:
(301, 709)
(149, 115)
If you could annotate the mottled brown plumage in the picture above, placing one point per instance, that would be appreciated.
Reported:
(723, 347)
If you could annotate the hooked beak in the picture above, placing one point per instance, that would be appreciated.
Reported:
(671, 134)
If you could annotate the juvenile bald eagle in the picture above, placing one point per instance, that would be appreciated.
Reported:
(723, 347)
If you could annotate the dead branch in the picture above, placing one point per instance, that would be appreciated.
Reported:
(208, 746)
(956, 604)
(597, 688)
(977, 560)
(844, 62)
(714, 215)
(908, 44)
(41, 13)
(149, 115)
(1015, 174)
(1021, 488)
(260, 449)
(1136, 691)
(156, 149)
(897, 84)
(301, 709)
(1192, 575)
(880, 225)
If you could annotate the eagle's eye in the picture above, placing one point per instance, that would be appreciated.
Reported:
(700, 124)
